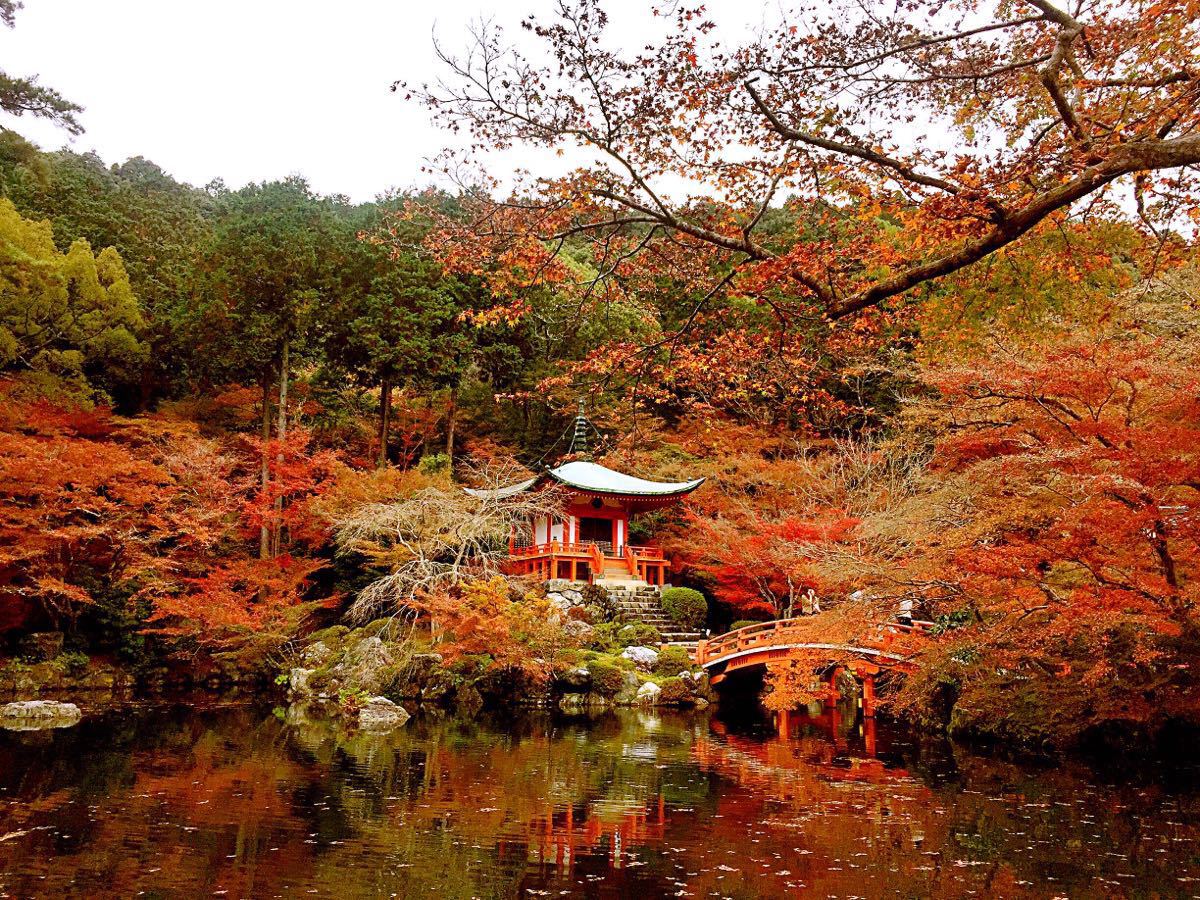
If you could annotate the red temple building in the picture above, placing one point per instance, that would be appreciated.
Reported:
(590, 541)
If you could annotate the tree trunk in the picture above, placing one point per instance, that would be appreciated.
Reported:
(264, 537)
(280, 434)
(385, 420)
(451, 422)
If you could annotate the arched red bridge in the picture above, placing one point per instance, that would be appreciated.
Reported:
(892, 646)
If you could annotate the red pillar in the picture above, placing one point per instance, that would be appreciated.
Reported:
(868, 696)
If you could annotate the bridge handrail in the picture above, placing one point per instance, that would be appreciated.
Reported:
(767, 634)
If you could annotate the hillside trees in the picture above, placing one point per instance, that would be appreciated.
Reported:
(273, 261)
(159, 226)
(402, 323)
(69, 314)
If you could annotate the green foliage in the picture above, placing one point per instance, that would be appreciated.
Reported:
(607, 677)
(950, 621)
(687, 607)
(639, 634)
(672, 661)
(433, 463)
(744, 623)
(605, 636)
(70, 313)
(71, 662)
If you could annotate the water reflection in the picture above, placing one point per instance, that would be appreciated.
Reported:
(245, 801)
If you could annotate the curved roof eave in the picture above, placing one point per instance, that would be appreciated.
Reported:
(597, 479)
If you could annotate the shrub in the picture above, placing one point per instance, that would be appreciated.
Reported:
(604, 637)
(639, 634)
(672, 661)
(607, 678)
(433, 463)
(580, 614)
(675, 692)
(72, 662)
(742, 623)
(686, 607)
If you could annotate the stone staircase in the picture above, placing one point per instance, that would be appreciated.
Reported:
(639, 602)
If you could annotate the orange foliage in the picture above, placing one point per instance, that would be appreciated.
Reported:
(487, 617)
(148, 511)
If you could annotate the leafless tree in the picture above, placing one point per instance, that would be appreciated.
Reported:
(441, 535)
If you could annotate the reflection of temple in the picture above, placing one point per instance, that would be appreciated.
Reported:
(562, 834)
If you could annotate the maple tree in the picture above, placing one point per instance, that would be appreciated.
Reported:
(920, 140)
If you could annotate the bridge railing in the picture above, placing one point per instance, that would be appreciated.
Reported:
(787, 631)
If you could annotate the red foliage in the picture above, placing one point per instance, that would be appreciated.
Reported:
(98, 508)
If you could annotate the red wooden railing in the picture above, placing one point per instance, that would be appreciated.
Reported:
(563, 548)
(587, 548)
(597, 561)
(646, 552)
(631, 561)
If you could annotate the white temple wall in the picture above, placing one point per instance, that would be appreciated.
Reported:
(541, 530)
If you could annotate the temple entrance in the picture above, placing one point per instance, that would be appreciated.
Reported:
(596, 531)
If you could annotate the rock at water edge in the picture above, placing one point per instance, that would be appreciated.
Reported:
(648, 693)
(380, 714)
(32, 714)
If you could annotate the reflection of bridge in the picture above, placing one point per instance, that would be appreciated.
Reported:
(561, 834)
(892, 646)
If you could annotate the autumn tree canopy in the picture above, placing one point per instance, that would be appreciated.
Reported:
(916, 139)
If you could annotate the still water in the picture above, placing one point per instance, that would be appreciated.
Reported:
(247, 801)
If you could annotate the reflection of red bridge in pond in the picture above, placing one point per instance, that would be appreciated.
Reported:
(561, 834)
(892, 646)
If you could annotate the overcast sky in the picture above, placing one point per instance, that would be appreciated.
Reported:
(248, 90)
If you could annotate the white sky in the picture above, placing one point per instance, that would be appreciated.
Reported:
(260, 89)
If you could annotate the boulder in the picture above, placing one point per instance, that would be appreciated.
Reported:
(381, 714)
(41, 646)
(628, 694)
(316, 655)
(298, 681)
(558, 601)
(366, 662)
(576, 680)
(642, 657)
(578, 628)
(35, 714)
(648, 693)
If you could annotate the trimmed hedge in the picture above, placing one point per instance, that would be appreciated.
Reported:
(607, 679)
(675, 693)
(672, 661)
(639, 634)
(686, 607)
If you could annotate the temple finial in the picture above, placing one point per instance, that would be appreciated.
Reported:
(579, 437)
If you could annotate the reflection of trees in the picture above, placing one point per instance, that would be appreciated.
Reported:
(235, 800)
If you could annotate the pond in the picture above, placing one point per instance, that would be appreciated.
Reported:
(185, 800)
